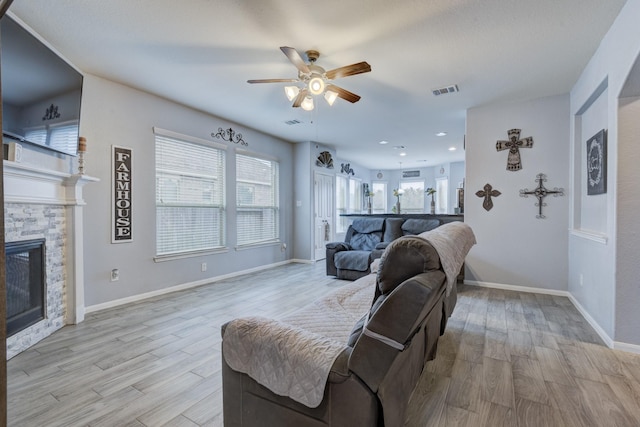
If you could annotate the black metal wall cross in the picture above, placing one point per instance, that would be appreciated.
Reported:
(513, 145)
(541, 192)
(488, 193)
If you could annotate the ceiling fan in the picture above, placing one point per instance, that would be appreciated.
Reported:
(315, 80)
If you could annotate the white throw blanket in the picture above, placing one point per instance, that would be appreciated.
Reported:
(293, 357)
(452, 241)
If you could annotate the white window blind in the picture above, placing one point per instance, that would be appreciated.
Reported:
(64, 137)
(257, 207)
(190, 199)
(37, 135)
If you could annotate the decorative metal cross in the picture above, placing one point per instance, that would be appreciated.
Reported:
(513, 145)
(488, 193)
(541, 192)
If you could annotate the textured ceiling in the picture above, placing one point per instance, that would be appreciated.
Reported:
(201, 53)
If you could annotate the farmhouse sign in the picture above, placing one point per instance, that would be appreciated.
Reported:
(121, 194)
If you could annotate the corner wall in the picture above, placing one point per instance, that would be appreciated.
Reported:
(609, 265)
(514, 247)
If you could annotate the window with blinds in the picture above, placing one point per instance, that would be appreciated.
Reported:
(190, 199)
(64, 137)
(257, 210)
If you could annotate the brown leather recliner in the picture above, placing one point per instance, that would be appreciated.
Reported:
(372, 379)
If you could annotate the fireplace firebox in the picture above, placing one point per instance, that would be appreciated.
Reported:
(25, 277)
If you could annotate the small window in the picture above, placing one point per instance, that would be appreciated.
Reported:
(379, 198)
(342, 195)
(412, 201)
(442, 192)
(257, 207)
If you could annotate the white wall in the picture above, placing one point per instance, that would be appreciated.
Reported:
(514, 247)
(608, 261)
(115, 114)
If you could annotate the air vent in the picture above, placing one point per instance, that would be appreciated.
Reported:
(445, 90)
(293, 122)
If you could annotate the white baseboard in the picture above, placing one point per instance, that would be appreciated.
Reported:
(517, 288)
(605, 337)
(181, 287)
(303, 261)
(623, 346)
(601, 333)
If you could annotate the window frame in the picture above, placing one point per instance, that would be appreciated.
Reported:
(275, 196)
(405, 209)
(221, 207)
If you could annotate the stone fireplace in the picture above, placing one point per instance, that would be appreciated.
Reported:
(46, 206)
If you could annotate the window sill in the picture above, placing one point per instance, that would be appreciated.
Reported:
(193, 254)
(257, 245)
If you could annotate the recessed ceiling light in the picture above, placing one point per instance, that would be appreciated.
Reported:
(383, 142)
(452, 148)
(403, 154)
(441, 134)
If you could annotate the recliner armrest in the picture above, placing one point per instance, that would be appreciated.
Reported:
(339, 246)
(382, 245)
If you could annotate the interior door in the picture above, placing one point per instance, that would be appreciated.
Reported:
(324, 195)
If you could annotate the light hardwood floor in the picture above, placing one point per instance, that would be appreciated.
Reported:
(507, 359)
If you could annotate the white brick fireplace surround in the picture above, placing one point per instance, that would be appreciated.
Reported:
(48, 204)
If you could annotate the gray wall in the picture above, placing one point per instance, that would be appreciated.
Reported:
(607, 261)
(514, 247)
(115, 114)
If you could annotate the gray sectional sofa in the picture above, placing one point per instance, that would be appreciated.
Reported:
(328, 364)
(365, 241)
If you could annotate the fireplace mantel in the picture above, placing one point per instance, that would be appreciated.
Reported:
(27, 184)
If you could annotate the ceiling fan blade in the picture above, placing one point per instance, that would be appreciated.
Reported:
(349, 70)
(273, 81)
(295, 59)
(344, 94)
(301, 96)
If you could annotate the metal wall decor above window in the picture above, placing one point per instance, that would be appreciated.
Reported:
(229, 135)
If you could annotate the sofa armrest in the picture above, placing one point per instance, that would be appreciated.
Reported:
(339, 246)
(382, 245)
(332, 249)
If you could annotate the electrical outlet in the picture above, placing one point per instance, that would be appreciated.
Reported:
(581, 280)
(203, 266)
(115, 275)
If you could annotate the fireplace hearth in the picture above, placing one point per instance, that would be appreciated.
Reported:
(25, 278)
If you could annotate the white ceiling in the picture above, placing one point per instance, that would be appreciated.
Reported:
(201, 53)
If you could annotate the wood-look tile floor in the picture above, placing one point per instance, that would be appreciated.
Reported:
(506, 359)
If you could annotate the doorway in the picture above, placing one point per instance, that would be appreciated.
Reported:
(323, 196)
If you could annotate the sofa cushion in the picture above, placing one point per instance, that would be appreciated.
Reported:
(352, 260)
(404, 258)
(365, 242)
(368, 225)
(417, 226)
(392, 229)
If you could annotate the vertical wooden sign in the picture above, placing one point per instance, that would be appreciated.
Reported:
(121, 194)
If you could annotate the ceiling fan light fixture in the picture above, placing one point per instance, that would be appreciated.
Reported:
(316, 85)
(307, 104)
(330, 96)
(291, 92)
